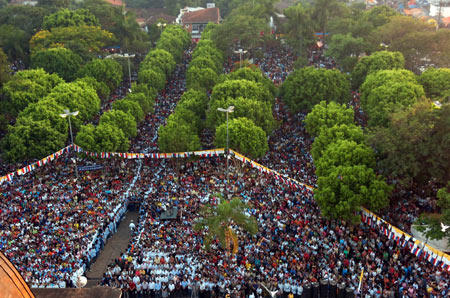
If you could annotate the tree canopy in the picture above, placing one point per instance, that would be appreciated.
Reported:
(327, 115)
(244, 137)
(436, 83)
(102, 138)
(308, 86)
(68, 18)
(123, 120)
(107, 71)
(241, 88)
(60, 61)
(177, 136)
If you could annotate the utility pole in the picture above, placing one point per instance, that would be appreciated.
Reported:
(439, 15)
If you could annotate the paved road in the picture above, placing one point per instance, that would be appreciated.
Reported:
(115, 245)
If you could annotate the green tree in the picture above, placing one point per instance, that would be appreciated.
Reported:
(344, 153)
(149, 91)
(145, 102)
(324, 11)
(342, 192)
(100, 87)
(30, 139)
(216, 222)
(54, 3)
(28, 86)
(377, 61)
(201, 79)
(177, 136)
(244, 137)
(77, 96)
(259, 112)
(172, 44)
(14, 42)
(24, 17)
(327, 115)
(131, 107)
(308, 86)
(387, 91)
(196, 101)
(411, 148)
(241, 88)
(68, 18)
(331, 135)
(46, 110)
(436, 83)
(253, 74)
(188, 116)
(160, 59)
(205, 62)
(152, 77)
(122, 120)
(379, 15)
(86, 41)
(211, 52)
(61, 61)
(102, 138)
(107, 71)
(299, 27)
(346, 49)
(5, 69)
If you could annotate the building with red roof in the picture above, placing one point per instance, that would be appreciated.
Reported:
(196, 21)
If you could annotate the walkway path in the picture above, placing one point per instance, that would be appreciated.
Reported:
(115, 245)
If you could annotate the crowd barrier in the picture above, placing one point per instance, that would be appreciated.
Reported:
(417, 247)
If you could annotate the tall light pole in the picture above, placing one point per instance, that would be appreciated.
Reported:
(240, 52)
(230, 109)
(67, 114)
(161, 26)
(126, 55)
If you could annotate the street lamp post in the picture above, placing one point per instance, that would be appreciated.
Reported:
(240, 52)
(230, 109)
(67, 114)
(161, 26)
(128, 56)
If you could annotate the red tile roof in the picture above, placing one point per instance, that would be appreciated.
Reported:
(115, 2)
(202, 16)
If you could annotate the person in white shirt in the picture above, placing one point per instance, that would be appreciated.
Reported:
(132, 226)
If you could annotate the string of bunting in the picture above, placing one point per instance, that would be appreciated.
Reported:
(416, 247)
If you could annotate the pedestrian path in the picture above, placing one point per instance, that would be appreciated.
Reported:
(115, 245)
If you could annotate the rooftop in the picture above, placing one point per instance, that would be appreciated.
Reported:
(202, 16)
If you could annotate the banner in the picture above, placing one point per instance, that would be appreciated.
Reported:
(90, 168)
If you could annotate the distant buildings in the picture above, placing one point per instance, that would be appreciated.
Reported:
(195, 19)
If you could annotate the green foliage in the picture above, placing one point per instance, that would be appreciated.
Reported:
(209, 52)
(241, 88)
(77, 96)
(382, 60)
(344, 153)
(24, 17)
(177, 136)
(327, 115)
(46, 109)
(69, 18)
(346, 49)
(152, 77)
(107, 71)
(201, 79)
(149, 91)
(244, 136)
(331, 135)
(5, 70)
(196, 101)
(122, 120)
(189, 117)
(308, 86)
(174, 40)
(204, 62)
(342, 192)
(253, 74)
(14, 42)
(86, 41)
(61, 61)
(54, 3)
(259, 112)
(28, 86)
(131, 107)
(413, 147)
(387, 91)
(100, 87)
(30, 139)
(379, 15)
(159, 59)
(436, 83)
(102, 138)
(145, 102)
(299, 27)
(444, 202)
(217, 220)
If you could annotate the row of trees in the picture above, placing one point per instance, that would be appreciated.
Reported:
(84, 29)
(118, 125)
(344, 164)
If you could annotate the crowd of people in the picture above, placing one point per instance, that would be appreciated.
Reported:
(62, 224)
